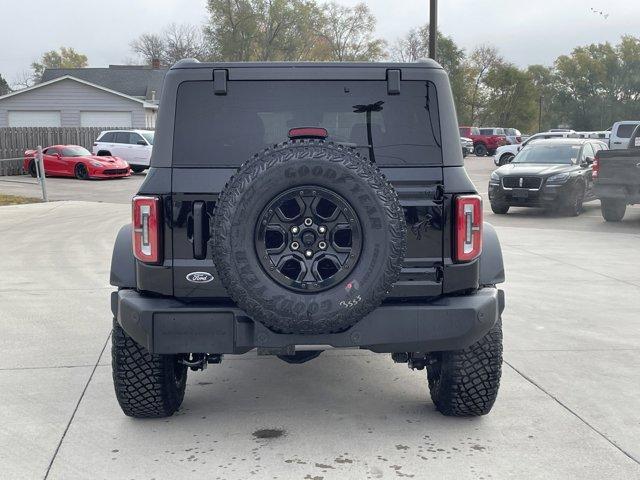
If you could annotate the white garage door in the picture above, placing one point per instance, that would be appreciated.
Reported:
(105, 119)
(43, 118)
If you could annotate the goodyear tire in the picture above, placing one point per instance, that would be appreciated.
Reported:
(276, 229)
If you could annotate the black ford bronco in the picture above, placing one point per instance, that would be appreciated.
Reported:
(296, 207)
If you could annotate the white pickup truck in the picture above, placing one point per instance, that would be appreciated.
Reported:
(621, 133)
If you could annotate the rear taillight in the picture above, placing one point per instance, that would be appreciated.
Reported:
(146, 229)
(595, 167)
(468, 237)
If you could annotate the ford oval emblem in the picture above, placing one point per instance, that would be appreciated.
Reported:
(200, 277)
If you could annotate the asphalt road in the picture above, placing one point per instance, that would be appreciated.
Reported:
(568, 405)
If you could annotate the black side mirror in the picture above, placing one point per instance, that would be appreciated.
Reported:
(141, 142)
(588, 160)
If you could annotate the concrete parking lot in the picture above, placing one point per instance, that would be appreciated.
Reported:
(568, 405)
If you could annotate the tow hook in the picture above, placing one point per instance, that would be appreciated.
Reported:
(199, 361)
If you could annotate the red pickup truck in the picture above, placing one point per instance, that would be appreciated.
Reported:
(485, 140)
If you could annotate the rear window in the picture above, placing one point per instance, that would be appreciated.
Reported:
(625, 130)
(226, 130)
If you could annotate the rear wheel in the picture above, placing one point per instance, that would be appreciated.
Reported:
(81, 172)
(146, 385)
(499, 208)
(33, 169)
(613, 210)
(137, 168)
(465, 383)
(480, 149)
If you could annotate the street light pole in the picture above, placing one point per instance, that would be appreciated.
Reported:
(433, 28)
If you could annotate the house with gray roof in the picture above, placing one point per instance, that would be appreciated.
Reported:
(123, 96)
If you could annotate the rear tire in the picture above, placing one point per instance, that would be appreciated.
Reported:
(480, 150)
(146, 385)
(613, 210)
(464, 383)
(137, 168)
(33, 169)
(499, 208)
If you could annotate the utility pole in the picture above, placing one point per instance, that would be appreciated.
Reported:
(433, 28)
(540, 115)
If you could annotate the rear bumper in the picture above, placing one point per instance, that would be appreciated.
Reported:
(166, 325)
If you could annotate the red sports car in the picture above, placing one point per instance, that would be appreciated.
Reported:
(76, 161)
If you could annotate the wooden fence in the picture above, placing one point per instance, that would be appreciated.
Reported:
(15, 140)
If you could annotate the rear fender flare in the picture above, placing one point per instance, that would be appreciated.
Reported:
(123, 263)
(491, 263)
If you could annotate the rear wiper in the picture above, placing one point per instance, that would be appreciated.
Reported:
(367, 109)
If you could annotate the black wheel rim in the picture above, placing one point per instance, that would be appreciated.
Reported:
(82, 171)
(308, 239)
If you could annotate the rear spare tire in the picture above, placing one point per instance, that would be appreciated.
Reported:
(309, 237)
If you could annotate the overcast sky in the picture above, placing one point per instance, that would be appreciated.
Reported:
(526, 32)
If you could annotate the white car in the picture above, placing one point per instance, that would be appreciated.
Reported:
(506, 153)
(134, 146)
(621, 133)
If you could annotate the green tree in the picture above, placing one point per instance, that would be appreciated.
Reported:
(4, 86)
(66, 57)
(511, 98)
(598, 84)
(414, 46)
(349, 33)
(246, 30)
(478, 65)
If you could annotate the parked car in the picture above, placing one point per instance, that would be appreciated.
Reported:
(467, 146)
(554, 174)
(484, 143)
(134, 146)
(506, 153)
(621, 133)
(616, 175)
(76, 161)
(269, 225)
(513, 136)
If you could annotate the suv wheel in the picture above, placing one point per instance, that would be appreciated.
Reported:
(499, 208)
(613, 210)
(310, 237)
(575, 201)
(146, 385)
(465, 382)
(480, 149)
